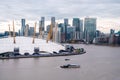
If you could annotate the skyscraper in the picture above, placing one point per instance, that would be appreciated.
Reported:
(76, 24)
(43, 23)
(81, 29)
(89, 29)
(41, 27)
(53, 21)
(22, 27)
(31, 31)
(65, 24)
(61, 25)
(27, 30)
(70, 31)
(48, 28)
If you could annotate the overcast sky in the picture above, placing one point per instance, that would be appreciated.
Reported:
(34, 9)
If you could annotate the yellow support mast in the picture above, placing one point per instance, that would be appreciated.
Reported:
(14, 41)
(34, 33)
(40, 30)
(9, 30)
(50, 34)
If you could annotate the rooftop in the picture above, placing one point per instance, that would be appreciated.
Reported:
(25, 45)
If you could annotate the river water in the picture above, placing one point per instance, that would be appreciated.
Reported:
(99, 63)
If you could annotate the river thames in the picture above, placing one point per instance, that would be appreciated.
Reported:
(98, 63)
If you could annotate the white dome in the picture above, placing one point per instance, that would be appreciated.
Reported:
(25, 45)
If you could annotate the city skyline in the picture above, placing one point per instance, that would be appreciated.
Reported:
(104, 25)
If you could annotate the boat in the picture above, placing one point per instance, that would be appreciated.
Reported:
(67, 59)
(70, 66)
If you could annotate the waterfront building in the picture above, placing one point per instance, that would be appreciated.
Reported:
(112, 31)
(97, 34)
(103, 39)
(2, 35)
(22, 27)
(112, 37)
(89, 29)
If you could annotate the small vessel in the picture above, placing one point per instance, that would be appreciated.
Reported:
(67, 59)
(70, 66)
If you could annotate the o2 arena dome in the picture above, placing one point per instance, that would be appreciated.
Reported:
(25, 45)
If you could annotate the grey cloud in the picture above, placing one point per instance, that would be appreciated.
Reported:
(33, 9)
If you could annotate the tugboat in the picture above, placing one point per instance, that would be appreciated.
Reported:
(70, 66)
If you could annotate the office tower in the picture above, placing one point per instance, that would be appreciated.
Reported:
(76, 24)
(62, 27)
(31, 31)
(89, 29)
(22, 27)
(53, 21)
(112, 36)
(57, 33)
(19, 32)
(70, 32)
(81, 29)
(42, 23)
(48, 28)
(66, 24)
(27, 30)
(41, 27)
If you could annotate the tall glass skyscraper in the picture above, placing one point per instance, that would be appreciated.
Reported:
(89, 29)
(76, 24)
(81, 29)
(42, 27)
(43, 23)
(53, 21)
(22, 27)
(65, 24)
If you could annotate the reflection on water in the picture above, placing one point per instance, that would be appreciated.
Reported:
(99, 63)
